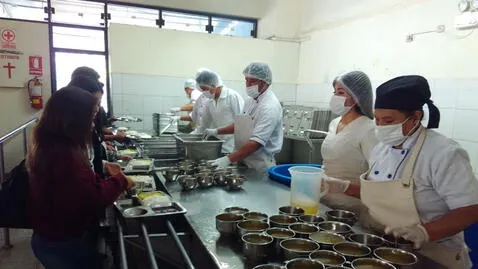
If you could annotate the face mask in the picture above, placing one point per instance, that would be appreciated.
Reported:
(337, 105)
(253, 91)
(208, 94)
(392, 134)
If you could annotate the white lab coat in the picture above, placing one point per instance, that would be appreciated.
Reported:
(267, 122)
(443, 177)
(345, 156)
(220, 113)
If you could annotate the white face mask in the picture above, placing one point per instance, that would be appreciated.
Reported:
(392, 134)
(208, 94)
(337, 105)
(253, 91)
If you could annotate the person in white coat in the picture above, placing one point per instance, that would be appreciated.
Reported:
(192, 93)
(258, 131)
(222, 106)
(420, 185)
(351, 137)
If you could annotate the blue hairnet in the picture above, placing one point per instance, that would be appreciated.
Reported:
(209, 79)
(360, 88)
(259, 71)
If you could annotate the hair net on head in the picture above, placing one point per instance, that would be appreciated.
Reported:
(360, 88)
(259, 71)
(190, 83)
(85, 71)
(208, 78)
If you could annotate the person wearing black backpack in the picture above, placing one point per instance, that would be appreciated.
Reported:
(65, 196)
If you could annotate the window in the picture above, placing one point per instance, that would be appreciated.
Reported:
(83, 39)
(133, 15)
(78, 12)
(24, 9)
(223, 26)
(185, 22)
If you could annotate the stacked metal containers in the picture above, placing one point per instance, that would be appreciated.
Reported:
(297, 119)
(161, 121)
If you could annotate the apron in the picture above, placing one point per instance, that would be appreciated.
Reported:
(391, 203)
(259, 160)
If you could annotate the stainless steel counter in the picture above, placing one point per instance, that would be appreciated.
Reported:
(258, 194)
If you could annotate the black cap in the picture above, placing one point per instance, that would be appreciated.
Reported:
(85, 71)
(407, 93)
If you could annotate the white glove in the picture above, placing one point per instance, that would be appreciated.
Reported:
(210, 132)
(175, 118)
(175, 109)
(415, 233)
(222, 162)
(336, 185)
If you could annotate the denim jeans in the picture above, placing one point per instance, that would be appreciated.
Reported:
(75, 253)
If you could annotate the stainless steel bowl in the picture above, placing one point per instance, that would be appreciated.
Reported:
(399, 258)
(268, 266)
(234, 182)
(226, 223)
(370, 240)
(298, 248)
(220, 178)
(255, 216)
(328, 258)
(188, 183)
(291, 211)
(282, 221)
(369, 263)
(256, 246)
(135, 212)
(236, 210)
(401, 243)
(279, 234)
(344, 216)
(251, 226)
(302, 263)
(303, 230)
(352, 251)
(313, 219)
(335, 227)
(327, 240)
(204, 180)
(171, 174)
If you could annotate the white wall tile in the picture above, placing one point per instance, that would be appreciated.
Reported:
(116, 83)
(467, 94)
(153, 104)
(168, 86)
(447, 119)
(147, 123)
(133, 104)
(286, 92)
(117, 103)
(138, 126)
(472, 149)
(319, 93)
(465, 127)
(444, 92)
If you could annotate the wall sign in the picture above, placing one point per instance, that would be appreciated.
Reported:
(35, 65)
(13, 63)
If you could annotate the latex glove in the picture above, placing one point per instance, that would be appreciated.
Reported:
(222, 162)
(175, 109)
(210, 132)
(175, 118)
(336, 185)
(415, 233)
(113, 169)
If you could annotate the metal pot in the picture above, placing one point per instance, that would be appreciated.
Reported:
(281, 221)
(302, 263)
(256, 246)
(171, 174)
(236, 210)
(204, 180)
(255, 216)
(291, 211)
(352, 251)
(370, 240)
(303, 230)
(226, 223)
(188, 183)
(371, 263)
(335, 227)
(399, 258)
(251, 226)
(344, 216)
(235, 182)
(298, 248)
(279, 234)
(312, 219)
(328, 258)
(327, 240)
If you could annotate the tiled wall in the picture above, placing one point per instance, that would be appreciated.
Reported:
(457, 100)
(142, 95)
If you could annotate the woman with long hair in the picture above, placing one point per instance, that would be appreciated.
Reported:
(65, 196)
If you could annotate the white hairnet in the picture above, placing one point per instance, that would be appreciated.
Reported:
(190, 83)
(208, 78)
(259, 71)
(360, 88)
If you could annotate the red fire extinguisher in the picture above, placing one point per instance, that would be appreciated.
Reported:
(35, 92)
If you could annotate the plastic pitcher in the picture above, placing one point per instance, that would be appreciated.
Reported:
(305, 188)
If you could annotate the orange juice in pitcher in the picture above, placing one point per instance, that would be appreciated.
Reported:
(305, 187)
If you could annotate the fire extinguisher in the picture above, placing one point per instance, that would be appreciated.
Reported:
(35, 92)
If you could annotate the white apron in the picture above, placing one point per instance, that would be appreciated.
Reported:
(391, 203)
(259, 160)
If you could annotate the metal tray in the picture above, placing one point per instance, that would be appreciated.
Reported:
(128, 210)
(130, 167)
(195, 148)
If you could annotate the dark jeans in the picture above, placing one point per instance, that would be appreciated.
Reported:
(75, 253)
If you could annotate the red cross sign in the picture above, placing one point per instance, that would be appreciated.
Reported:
(9, 66)
(8, 35)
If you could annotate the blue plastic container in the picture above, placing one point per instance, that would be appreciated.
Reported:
(280, 173)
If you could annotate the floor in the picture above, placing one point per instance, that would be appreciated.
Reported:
(21, 255)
